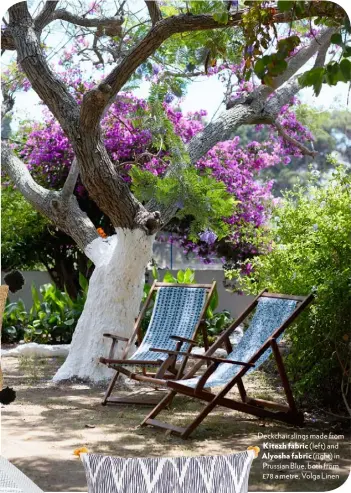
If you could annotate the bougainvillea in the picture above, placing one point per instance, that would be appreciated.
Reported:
(130, 141)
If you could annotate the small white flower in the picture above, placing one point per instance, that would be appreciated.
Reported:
(315, 227)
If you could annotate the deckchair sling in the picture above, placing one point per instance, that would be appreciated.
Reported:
(274, 313)
(211, 474)
(12, 480)
(176, 318)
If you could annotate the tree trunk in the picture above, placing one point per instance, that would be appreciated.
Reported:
(113, 302)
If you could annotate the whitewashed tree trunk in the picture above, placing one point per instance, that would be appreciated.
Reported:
(113, 302)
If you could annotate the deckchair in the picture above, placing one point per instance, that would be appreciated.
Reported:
(177, 316)
(202, 474)
(273, 314)
(12, 480)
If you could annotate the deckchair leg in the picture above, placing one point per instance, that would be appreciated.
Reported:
(283, 375)
(160, 406)
(110, 388)
(205, 412)
(242, 390)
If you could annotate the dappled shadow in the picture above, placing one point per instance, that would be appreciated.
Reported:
(47, 422)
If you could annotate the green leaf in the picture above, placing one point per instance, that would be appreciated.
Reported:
(221, 17)
(35, 297)
(313, 78)
(345, 67)
(83, 282)
(168, 277)
(189, 276)
(69, 321)
(209, 312)
(337, 39)
(259, 68)
(180, 276)
(154, 272)
(279, 67)
(284, 6)
(214, 300)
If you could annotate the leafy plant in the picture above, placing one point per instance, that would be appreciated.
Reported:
(216, 324)
(310, 251)
(51, 319)
(15, 319)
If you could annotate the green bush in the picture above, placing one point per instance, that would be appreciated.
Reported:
(309, 250)
(51, 319)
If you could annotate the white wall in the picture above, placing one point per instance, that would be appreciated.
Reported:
(229, 301)
(39, 278)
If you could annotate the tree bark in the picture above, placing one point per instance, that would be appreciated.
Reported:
(113, 302)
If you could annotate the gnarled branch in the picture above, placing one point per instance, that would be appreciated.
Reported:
(93, 109)
(281, 130)
(46, 84)
(45, 16)
(154, 11)
(71, 180)
(64, 212)
(296, 62)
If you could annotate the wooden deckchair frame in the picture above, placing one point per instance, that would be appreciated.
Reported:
(165, 369)
(257, 407)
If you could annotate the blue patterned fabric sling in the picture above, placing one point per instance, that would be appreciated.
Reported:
(216, 474)
(176, 312)
(12, 480)
(269, 315)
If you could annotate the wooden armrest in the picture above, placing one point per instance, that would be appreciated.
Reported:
(201, 356)
(183, 339)
(124, 362)
(117, 338)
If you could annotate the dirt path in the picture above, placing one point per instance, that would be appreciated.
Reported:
(46, 423)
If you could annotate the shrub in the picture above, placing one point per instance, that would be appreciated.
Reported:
(309, 250)
(51, 319)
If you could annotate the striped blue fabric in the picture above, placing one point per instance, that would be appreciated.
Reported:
(12, 480)
(216, 474)
(269, 315)
(176, 312)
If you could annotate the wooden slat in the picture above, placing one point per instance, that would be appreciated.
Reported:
(141, 401)
(165, 426)
(283, 375)
(130, 362)
(181, 285)
(203, 357)
(283, 296)
(265, 403)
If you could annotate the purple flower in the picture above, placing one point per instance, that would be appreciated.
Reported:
(208, 237)
(169, 98)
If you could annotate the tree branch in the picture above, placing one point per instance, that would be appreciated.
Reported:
(45, 16)
(64, 15)
(297, 61)
(93, 106)
(321, 56)
(256, 108)
(65, 213)
(49, 14)
(288, 138)
(7, 102)
(154, 11)
(71, 180)
(45, 83)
